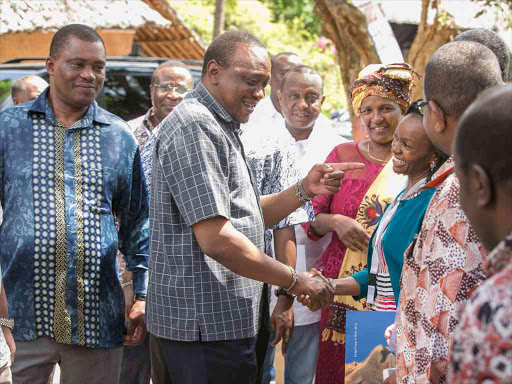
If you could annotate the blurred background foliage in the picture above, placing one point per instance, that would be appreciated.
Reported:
(283, 25)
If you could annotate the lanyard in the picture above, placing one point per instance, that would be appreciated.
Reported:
(378, 250)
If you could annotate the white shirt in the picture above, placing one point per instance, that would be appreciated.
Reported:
(5, 352)
(309, 152)
(266, 121)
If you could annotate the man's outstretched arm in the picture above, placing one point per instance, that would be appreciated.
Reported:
(323, 179)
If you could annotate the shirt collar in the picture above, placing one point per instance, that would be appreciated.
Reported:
(500, 257)
(206, 98)
(146, 122)
(94, 113)
(442, 173)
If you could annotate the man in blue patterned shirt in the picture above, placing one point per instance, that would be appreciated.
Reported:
(67, 168)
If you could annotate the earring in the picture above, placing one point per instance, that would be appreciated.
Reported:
(433, 166)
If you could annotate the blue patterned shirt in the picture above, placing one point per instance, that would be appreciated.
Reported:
(60, 189)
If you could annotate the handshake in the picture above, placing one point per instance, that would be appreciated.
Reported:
(313, 290)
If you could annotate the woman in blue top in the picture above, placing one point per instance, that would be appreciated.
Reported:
(414, 156)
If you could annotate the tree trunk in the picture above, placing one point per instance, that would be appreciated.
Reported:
(428, 39)
(218, 24)
(347, 27)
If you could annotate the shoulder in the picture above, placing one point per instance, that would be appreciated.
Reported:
(345, 150)
(189, 117)
(483, 306)
(16, 112)
(115, 126)
(135, 123)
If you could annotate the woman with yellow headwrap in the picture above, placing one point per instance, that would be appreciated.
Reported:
(380, 96)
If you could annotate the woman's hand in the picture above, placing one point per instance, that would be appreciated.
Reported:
(350, 232)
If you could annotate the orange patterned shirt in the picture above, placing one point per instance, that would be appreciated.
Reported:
(441, 269)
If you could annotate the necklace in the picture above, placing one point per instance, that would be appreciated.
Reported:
(374, 158)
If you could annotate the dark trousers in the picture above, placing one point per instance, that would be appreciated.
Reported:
(205, 362)
(136, 366)
(264, 333)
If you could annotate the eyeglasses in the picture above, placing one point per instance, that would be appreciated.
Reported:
(166, 88)
(422, 104)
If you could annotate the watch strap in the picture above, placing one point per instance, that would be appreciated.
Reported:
(9, 323)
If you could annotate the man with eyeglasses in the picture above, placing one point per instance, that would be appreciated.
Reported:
(170, 83)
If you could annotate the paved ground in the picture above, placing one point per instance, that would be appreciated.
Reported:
(279, 364)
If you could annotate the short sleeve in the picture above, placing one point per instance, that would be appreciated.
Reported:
(194, 162)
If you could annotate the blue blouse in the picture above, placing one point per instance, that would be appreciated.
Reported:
(399, 235)
(60, 189)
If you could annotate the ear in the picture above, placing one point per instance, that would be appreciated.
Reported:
(323, 99)
(279, 96)
(213, 70)
(50, 66)
(440, 119)
(15, 101)
(480, 186)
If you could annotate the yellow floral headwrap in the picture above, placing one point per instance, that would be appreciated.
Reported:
(391, 81)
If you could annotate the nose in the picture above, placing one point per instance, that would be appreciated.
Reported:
(396, 148)
(377, 117)
(302, 103)
(88, 73)
(173, 95)
(259, 93)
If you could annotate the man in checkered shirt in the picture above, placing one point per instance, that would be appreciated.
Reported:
(207, 220)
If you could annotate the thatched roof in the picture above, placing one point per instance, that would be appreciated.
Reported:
(180, 40)
(50, 15)
(159, 30)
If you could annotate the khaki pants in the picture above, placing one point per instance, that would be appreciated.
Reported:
(5, 374)
(79, 365)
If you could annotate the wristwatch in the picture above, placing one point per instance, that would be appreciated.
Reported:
(9, 323)
(139, 297)
(283, 292)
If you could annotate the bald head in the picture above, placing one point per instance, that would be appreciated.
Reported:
(484, 134)
(27, 88)
(281, 63)
(457, 73)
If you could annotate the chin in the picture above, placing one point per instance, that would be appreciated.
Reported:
(83, 102)
(242, 119)
(398, 171)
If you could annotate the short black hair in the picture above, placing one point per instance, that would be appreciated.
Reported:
(302, 69)
(223, 48)
(19, 85)
(457, 73)
(414, 110)
(484, 134)
(173, 63)
(79, 31)
(494, 42)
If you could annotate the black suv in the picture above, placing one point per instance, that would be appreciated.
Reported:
(126, 89)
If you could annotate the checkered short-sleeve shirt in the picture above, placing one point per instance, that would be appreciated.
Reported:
(200, 172)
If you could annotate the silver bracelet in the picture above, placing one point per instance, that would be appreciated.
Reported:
(294, 279)
(300, 193)
(127, 283)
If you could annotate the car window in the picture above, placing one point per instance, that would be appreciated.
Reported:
(126, 95)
